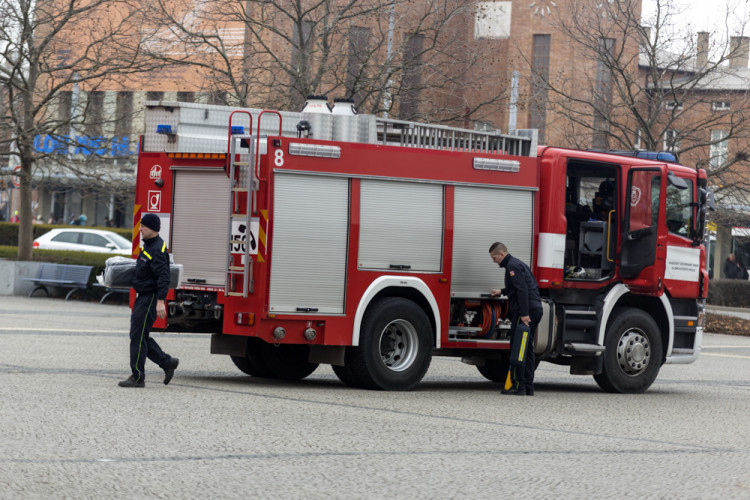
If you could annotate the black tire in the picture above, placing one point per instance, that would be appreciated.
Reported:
(345, 374)
(395, 346)
(287, 361)
(245, 366)
(633, 353)
(495, 370)
(254, 361)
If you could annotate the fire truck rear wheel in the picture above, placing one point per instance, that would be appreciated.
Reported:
(245, 366)
(495, 370)
(395, 346)
(253, 362)
(633, 353)
(288, 362)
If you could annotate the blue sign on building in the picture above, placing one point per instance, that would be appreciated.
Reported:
(113, 147)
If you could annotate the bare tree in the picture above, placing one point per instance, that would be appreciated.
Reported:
(387, 55)
(50, 49)
(651, 84)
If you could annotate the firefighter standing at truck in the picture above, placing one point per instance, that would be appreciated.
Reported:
(151, 283)
(525, 307)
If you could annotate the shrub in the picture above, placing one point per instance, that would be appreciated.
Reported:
(730, 293)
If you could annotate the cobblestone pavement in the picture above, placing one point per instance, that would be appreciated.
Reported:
(68, 431)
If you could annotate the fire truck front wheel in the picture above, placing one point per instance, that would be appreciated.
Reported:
(395, 346)
(633, 353)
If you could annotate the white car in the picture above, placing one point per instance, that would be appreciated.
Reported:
(84, 240)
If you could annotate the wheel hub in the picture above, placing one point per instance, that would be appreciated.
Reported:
(398, 345)
(633, 352)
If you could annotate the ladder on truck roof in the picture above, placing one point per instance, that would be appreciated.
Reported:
(178, 127)
(243, 154)
(431, 136)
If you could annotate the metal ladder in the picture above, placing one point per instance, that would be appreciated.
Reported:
(442, 137)
(243, 161)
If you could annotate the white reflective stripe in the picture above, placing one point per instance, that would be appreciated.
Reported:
(611, 300)
(399, 281)
(551, 250)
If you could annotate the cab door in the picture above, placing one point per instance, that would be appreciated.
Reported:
(642, 253)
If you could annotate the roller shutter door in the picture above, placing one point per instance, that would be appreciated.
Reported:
(482, 217)
(308, 243)
(401, 224)
(199, 225)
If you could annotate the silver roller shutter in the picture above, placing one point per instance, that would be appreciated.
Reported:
(199, 225)
(401, 224)
(308, 243)
(482, 217)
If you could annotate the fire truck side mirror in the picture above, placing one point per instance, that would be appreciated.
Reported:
(677, 182)
(707, 198)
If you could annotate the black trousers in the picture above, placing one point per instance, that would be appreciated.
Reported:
(522, 376)
(142, 346)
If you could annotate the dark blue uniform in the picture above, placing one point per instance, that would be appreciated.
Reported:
(523, 296)
(151, 282)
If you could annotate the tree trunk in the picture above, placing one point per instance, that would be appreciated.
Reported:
(25, 228)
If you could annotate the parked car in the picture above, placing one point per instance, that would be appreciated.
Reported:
(84, 240)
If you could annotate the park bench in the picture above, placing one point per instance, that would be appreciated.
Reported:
(110, 290)
(61, 275)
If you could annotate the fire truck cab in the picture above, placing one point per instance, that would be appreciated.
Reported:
(360, 242)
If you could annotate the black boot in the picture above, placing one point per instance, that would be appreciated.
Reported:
(132, 382)
(169, 371)
(514, 392)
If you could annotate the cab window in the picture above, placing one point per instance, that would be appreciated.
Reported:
(679, 211)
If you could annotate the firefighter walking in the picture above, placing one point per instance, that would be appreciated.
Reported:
(525, 307)
(151, 283)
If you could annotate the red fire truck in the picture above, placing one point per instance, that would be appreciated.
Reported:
(360, 242)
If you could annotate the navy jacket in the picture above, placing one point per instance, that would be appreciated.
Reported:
(152, 269)
(520, 286)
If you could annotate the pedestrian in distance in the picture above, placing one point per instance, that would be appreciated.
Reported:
(732, 268)
(151, 283)
(525, 308)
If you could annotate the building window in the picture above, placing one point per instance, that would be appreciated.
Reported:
(153, 95)
(185, 97)
(301, 57)
(94, 113)
(359, 48)
(720, 106)
(539, 89)
(673, 105)
(123, 113)
(671, 140)
(603, 94)
(412, 78)
(65, 107)
(719, 148)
